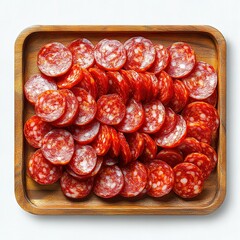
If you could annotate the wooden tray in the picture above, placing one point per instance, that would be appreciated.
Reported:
(209, 45)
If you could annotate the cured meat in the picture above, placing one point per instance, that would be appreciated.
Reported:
(36, 85)
(135, 179)
(73, 188)
(71, 110)
(58, 146)
(109, 161)
(188, 180)
(202, 112)
(85, 134)
(147, 85)
(140, 54)
(41, 170)
(202, 161)
(71, 78)
(82, 52)
(210, 153)
(150, 148)
(175, 137)
(189, 145)
(211, 99)
(125, 152)
(35, 129)
(153, 89)
(50, 105)
(133, 119)
(154, 116)
(115, 145)
(54, 59)
(161, 60)
(160, 178)
(202, 81)
(109, 182)
(110, 54)
(165, 85)
(171, 156)
(102, 142)
(87, 106)
(110, 109)
(182, 60)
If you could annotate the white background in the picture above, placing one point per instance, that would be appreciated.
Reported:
(17, 15)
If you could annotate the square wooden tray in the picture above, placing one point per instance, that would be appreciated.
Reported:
(209, 45)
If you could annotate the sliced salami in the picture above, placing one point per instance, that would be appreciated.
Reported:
(58, 146)
(189, 145)
(54, 59)
(150, 148)
(171, 156)
(153, 90)
(125, 152)
(210, 153)
(147, 85)
(109, 161)
(115, 145)
(109, 182)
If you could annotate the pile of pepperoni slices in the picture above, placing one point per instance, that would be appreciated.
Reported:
(124, 119)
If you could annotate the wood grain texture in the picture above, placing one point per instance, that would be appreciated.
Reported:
(209, 45)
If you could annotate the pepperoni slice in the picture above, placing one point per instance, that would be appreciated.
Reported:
(109, 161)
(133, 119)
(210, 153)
(160, 178)
(161, 60)
(182, 60)
(75, 189)
(201, 111)
(135, 179)
(180, 96)
(71, 110)
(41, 170)
(58, 146)
(189, 145)
(115, 145)
(54, 59)
(85, 134)
(188, 180)
(140, 54)
(175, 137)
(82, 52)
(102, 142)
(202, 81)
(154, 116)
(110, 109)
(110, 54)
(87, 106)
(150, 148)
(171, 156)
(165, 85)
(152, 89)
(71, 78)
(36, 85)
(50, 105)
(202, 161)
(109, 182)
(125, 152)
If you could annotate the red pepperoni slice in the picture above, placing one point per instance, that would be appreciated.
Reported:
(71, 110)
(210, 153)
(161, 60)
(54, 59)
(36, 85)
(110, 109)
(180, 96)
(147, 85)
(58, 146)
(154, 116)
(109, 182)
(109, 161)
(84, 159)
(71, 78)
(87, 106)
(135, 179)
(125, 152)
(189, 145)
(202, 81)
(102, 142)
(165, 85)
(175, 137)
(188, 180)
(133, 119)
(75, 189)
(150, 148)
(153, 88)
(160, 178)
(110, 54)
(140, 54)
(41, 170)
(82, 52)
(202, 112)
(85, 134)
(182, 60)
(202, 161)
(50, 105)
(115, 146)
(171, 156)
